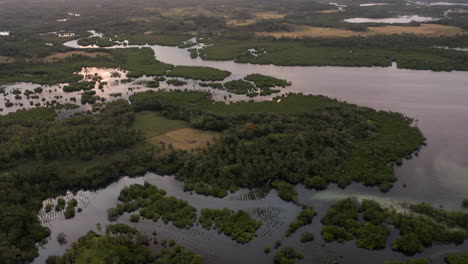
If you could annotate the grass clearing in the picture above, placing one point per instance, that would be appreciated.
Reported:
(424, 29)
(154, 124)
(159, 130)
(258, 16)
(64, 55)
(327, 32)
(185, 138)
(268, 15)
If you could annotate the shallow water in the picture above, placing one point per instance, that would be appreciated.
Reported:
(447, 4)
(392, 20)
(449, 48)
(438, 175)
(374, 4)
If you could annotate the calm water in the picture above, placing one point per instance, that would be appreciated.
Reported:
(447, 4)
(374, 4)
(438, 175)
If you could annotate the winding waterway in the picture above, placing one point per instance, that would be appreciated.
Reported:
(438, 101)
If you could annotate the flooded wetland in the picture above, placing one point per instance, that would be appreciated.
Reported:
(437, 175)
(187, 111)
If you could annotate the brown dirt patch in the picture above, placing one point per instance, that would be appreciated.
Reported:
(268, 15)
(185, 138)
(4, 59)
(330, 11)
(424, 29)
(64, 55)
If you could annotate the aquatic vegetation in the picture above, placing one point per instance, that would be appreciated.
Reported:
(341, 223)
(73, 87)
(138, 62)
(238, 225)
(176, 82)
(287, 255)
(152, 84)
(263, 81)
(199, 73)
(153, 204)
(193, 53)
(456, 258)
(307, 236)
(449, 218)
(240, 87)
(89, 97)
(70, 210)
(305, 217)
(122, 243)
(213, 85)
(286, 191)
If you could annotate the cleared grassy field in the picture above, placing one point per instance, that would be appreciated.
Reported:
(159, 130)
(324, 32)
(258, 16)
(64, 55)
(185, 138)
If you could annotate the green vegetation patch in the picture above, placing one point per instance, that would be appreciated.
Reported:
(199, 73)
(153, 124)
(123, 244)
(89, 97)
(74, 87)
(263, 81)
(409, 51)
(285, 141)
(152, 84)
(153, 204)
(138, 61)
(305, 217)
(287, 255)
(286, 191)
(176, 82)
(456, 258)
(213, 85)
(452, 219)
(307, 236)
(38, 114)
(237, 225)
(341, 223)
(240, 87)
